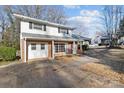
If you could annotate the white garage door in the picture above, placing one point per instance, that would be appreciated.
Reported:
(37, 50)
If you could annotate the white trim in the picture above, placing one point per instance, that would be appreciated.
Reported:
(25, 50)
(21, 41)
(66, 47)
(74, 48)
(53, 50)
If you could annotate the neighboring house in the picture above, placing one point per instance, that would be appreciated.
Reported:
(42, 39)
(86, 40)
(120, 37)
(104, 40)
(0, 36)
(101, 40)
(83, 40)
(121, 40)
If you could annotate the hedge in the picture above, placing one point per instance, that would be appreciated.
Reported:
(7, 53)
(85, 47)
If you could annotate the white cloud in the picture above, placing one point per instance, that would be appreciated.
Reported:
(81, 19)
(71, 6)
(87, 22)
(93, 13)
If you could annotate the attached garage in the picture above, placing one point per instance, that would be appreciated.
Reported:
(37, 50)
(33, 49)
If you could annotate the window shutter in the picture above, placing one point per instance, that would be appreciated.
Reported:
(44, 27)
(67, 31)
(30, 25)
(58, 29)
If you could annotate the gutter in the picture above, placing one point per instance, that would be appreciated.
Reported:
(29, 38)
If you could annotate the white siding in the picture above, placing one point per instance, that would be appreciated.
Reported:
(53, 31)
(50, 30)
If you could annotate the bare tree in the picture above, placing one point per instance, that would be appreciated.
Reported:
(50, 13)
(111, 16)
(55, 14)
(8, 12)
(34, 11)
(3, 22)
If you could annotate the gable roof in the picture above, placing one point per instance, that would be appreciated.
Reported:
(26, 18)
(104, 37)
(85, 38)
(80, 37)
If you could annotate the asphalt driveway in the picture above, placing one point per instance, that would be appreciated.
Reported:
(63, 72)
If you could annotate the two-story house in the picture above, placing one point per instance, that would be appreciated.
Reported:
(42, 39)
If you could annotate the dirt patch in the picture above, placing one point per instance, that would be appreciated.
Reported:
(104, 71)
(66, 59)
(76, 59)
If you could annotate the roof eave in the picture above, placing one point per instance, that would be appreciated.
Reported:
(26, 18)
(50, 39)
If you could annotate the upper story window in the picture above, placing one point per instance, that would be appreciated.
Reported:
(63, 30)
(37, 26)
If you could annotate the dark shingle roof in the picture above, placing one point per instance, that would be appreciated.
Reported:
(104, 37)
(40, 36)
(80, 37)
(85, 38)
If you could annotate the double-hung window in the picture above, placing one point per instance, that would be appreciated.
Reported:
(63, 30)
(37, 26)
(42, 46)
(33, 46)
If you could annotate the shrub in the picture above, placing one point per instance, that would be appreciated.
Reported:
(85, 47)
(7, 53)
(1, 59)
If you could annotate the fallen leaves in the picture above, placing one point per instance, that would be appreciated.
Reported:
(104, 71)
